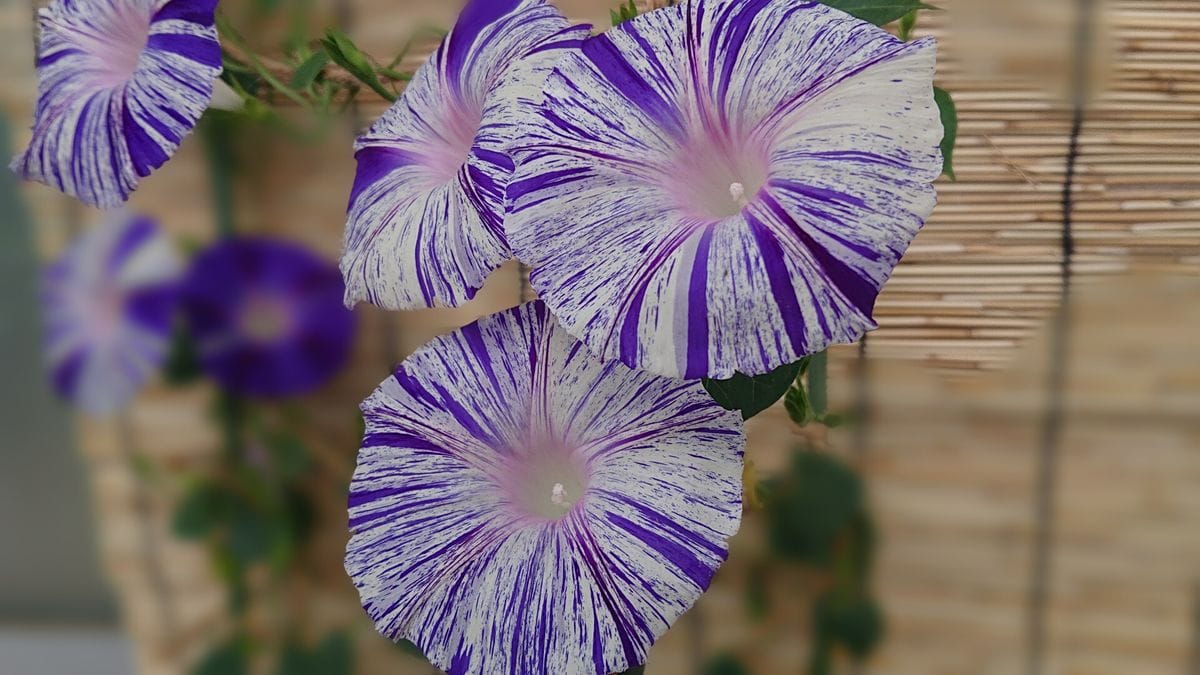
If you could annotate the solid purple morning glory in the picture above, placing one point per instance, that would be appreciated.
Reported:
(724, 185)
(267, 316)
(108, 305)
(425, 217)
(521, 506)
(120, 83)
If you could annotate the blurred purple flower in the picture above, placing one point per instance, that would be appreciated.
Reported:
(725, 185)
(520, 506)
(267, 316)
(425, 217)
(108, 305)
(120, 83)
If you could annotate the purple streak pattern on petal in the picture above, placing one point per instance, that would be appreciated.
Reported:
(520, 506)
(725, 186)
(267, 317)
(120, 84)
(108, 305)
(425, 215)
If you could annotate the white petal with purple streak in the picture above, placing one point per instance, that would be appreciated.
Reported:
(108, 305)
(120, 83)
(520, 506)
(424, 227)
(725, 186)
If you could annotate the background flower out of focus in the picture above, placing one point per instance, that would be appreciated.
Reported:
(1001, 548)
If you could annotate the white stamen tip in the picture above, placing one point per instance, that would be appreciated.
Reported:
(738, 192)
(558, 494)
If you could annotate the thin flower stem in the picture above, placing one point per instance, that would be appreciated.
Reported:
(818, 394)
(234, 40)
(276, 74)
(432, 31)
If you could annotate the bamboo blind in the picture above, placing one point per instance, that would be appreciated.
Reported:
(976, 284)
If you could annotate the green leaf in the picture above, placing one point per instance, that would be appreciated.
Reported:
(907, 23)
(202, 509)
(758, 599)
(334, 656)
(851, 620)
(624, 12)
(346, 54)
(638, 670)
(409, 648)
(797, 405)
(810, 506)
(878, 12)
(250, 537)
(753, 394)
(226, 659)
(183, 361)
(307, 72)
(949, 113)
(290, 456)
(725, 664)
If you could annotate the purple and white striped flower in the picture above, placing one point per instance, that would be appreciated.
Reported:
(120, 83)
(426, 209)
(520, 506)
(267, 317)
(108, 305)
(725, 185)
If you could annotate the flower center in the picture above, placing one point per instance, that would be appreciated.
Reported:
(106, 308)
(545, 480)
(266, 318)
(712, 179)
(446, 156)
(114, 43)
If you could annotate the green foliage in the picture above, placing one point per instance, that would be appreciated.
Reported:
(289, 457)
(949, 113)
(907, 23)
(345, 53)
(623, 13)
(639, 670)
(878, 12)
(409, 648)
(849, 619)
(225, 659)
(754, 394)
(810, 506)
(309, 69)
(758, 600)
(725, 664)
(249, 535)
(183, 362)
(334, 656)
(806, 403)
(799, 408)
(203, 508)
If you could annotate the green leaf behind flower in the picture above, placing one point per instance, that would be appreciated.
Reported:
(878, 12)
(949, 113)
(754, 394)
(346, 54)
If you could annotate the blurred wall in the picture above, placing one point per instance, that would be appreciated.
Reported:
(48, 562)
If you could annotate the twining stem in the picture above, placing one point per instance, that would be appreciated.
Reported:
(818, 393)
(236, 47)
(276, 73)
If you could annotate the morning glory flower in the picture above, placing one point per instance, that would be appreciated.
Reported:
(120, 83)
(108, 304)
(267, 316)
(521, 506)
(425, 217)
(725, 185)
